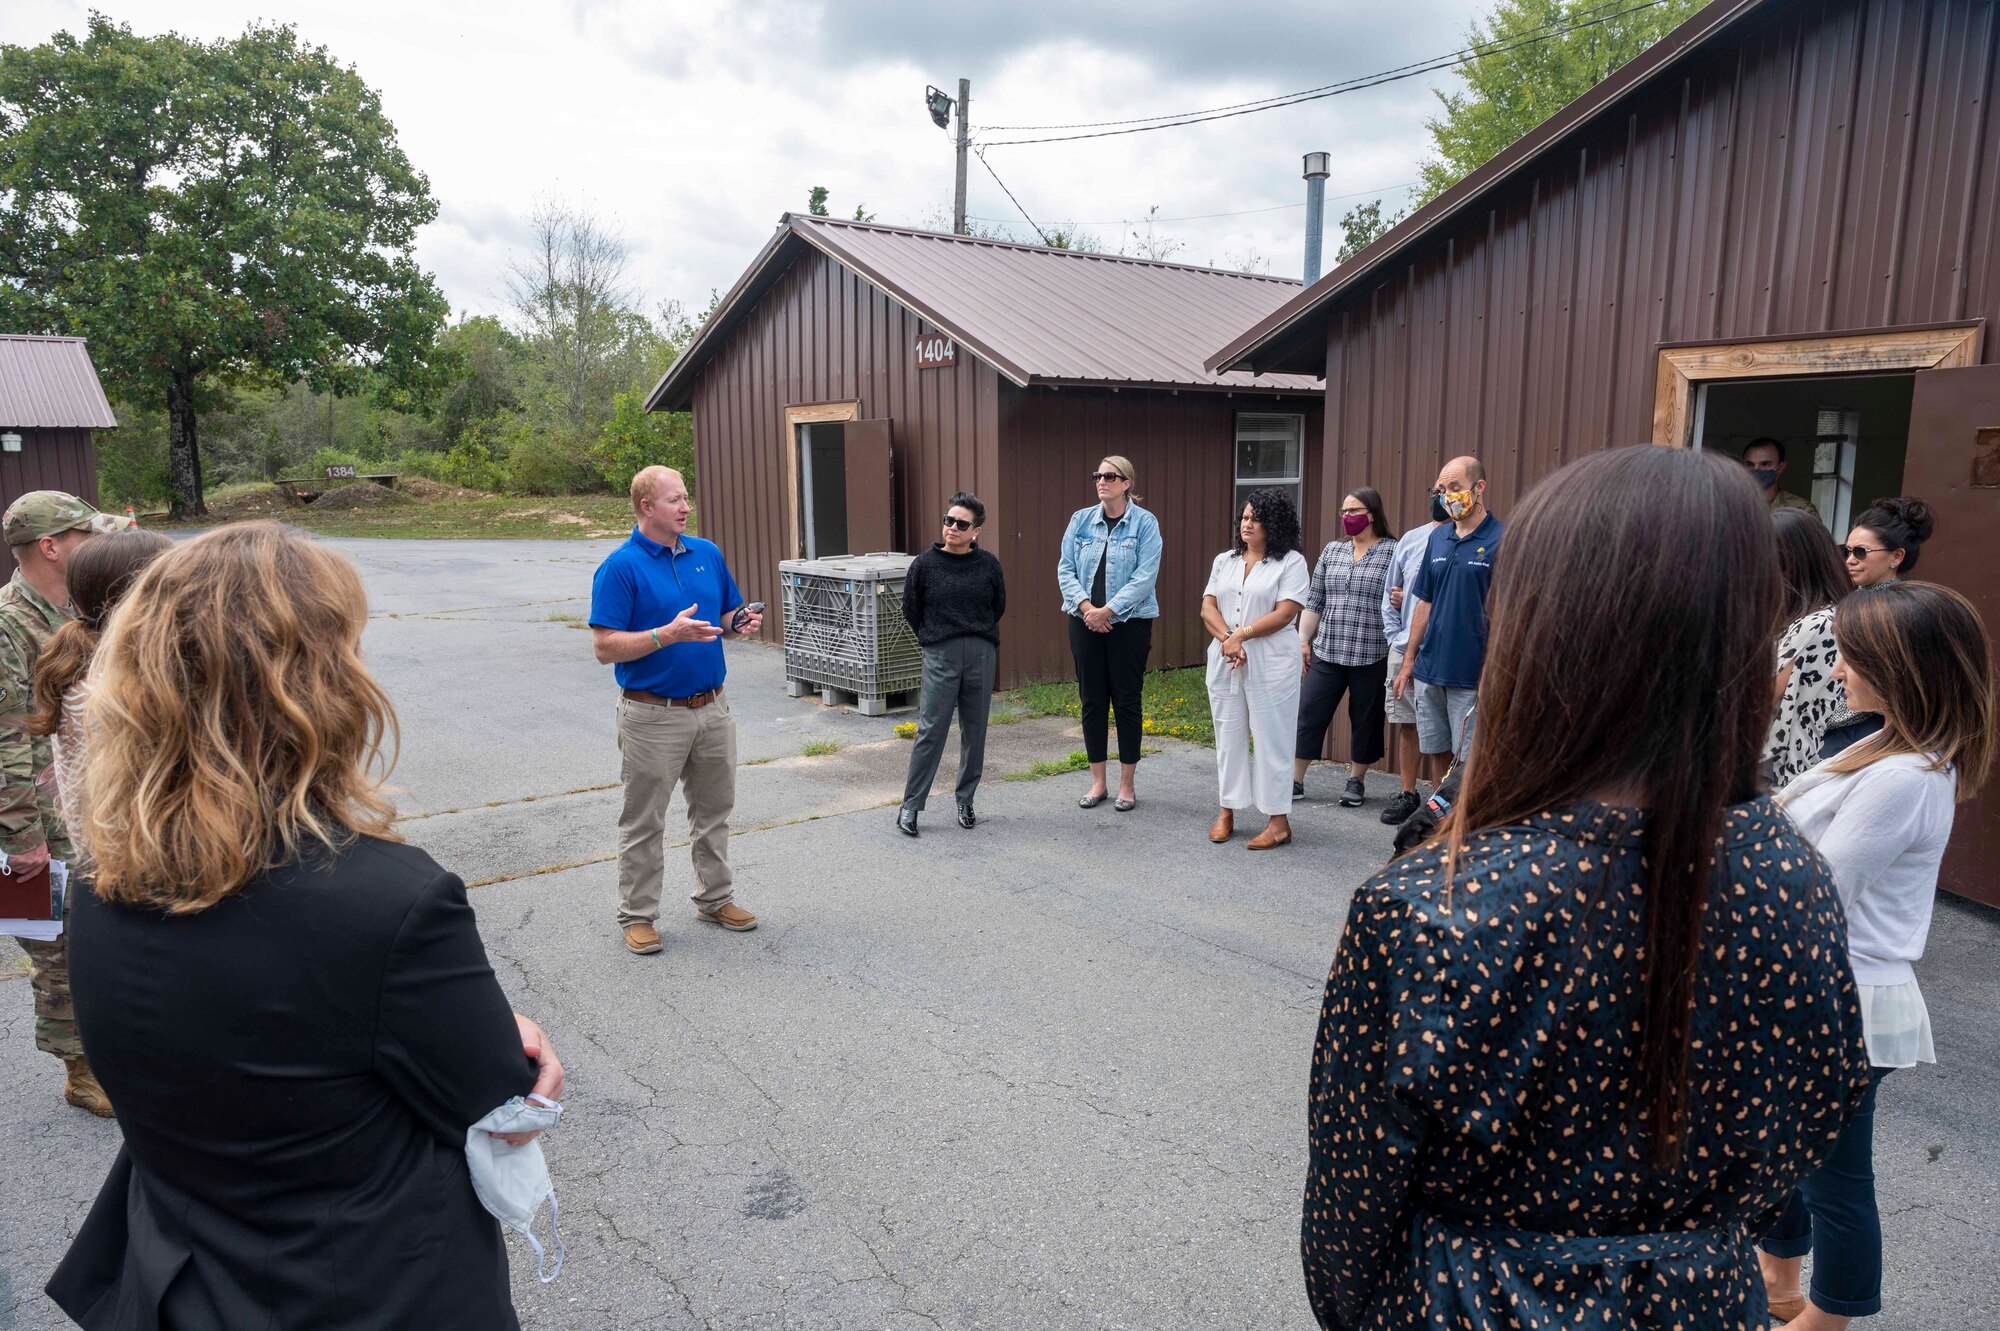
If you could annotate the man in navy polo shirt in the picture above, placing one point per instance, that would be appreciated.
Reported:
(658, 607)
(1447, 648)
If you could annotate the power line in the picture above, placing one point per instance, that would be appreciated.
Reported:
(1473, 51)
(1205, 217)
(1332, 90)
(980, 153)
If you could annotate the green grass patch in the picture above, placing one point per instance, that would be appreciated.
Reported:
(1176, 703)
(479, 517)
(819, 748)
(564, 619)
(1077, 761)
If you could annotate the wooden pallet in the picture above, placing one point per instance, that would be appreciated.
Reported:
(865, 703)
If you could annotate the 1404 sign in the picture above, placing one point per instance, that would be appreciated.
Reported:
(935, 351)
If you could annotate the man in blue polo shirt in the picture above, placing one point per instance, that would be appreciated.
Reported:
(1447, 647)
(658, 609)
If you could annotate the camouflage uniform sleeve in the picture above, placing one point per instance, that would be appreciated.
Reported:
(20, 809)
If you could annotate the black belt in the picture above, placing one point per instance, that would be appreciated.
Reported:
(655, 700)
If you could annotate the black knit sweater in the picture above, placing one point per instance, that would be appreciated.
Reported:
(948, 596)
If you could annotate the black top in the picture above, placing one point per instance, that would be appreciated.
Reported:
(948, 596)
(1097, 583)
(1477, 1150)
(294, 1070)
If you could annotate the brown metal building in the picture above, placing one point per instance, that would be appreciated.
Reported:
(50, 401)
(1783, 220)
(908, 365)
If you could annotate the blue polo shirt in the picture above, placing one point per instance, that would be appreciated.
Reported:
(643, 585)
(1457, 574)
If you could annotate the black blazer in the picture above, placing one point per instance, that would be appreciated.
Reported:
(294, 1070)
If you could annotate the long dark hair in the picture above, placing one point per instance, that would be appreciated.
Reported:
(1273, 508)
(98, 572)
(1925, 652)
(1903, 523)
(1810, 575)
(1371, 499)
(1583, 591)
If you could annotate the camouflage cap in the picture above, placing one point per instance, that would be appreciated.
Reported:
(40, 513)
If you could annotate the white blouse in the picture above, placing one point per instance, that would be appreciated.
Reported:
(1246, 598)
(1883, 831)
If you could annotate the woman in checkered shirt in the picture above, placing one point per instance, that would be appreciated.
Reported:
(1346, 653)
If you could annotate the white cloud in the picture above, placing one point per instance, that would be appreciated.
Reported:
(692, 127)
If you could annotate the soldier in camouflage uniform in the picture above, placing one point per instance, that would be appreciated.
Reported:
(41, 528)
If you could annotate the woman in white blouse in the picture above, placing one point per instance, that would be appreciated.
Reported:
(1881, 813)
(1251, 608)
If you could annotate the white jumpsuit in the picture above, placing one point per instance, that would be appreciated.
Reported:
(1260, 698)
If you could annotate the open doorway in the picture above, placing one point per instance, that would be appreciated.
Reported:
(822, 473)
(1844, 438)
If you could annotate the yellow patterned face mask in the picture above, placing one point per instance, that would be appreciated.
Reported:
(1457, 503)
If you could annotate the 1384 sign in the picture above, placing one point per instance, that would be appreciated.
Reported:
(935, 350)
(340, 471)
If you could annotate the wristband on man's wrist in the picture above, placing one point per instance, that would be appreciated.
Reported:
(656, 638)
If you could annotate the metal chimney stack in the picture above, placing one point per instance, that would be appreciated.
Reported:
(1316, 171)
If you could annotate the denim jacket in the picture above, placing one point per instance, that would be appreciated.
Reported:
(1129, 574)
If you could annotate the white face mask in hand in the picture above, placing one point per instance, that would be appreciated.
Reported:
(512, 1180)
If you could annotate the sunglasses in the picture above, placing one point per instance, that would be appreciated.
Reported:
(1106, 476)
(960, 523)
(1858, 553)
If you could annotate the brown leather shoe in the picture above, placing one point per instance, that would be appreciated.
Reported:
(1222, 828)
(732, 917)
(80, 1088)
(1277, 832)
(642, 938)
(1786, 1310)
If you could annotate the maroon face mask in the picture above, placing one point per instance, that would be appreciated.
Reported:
(1355, 523)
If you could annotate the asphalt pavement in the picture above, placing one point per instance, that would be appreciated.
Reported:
(1047, 1073)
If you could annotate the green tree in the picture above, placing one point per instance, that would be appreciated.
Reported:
(816, 201)
(480, 363)
(1361, 226)
(209, 214)
(1509, 92)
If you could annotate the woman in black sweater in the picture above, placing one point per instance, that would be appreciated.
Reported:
(953, 597)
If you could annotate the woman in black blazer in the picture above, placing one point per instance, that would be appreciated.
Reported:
(292, 1013)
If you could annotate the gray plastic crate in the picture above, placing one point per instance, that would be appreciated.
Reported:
(844, 629)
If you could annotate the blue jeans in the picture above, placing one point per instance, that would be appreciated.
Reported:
(1832, 1215)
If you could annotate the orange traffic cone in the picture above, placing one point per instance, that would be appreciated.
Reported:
(130, 516)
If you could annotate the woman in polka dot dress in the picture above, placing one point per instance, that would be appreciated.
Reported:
(1574, 1054)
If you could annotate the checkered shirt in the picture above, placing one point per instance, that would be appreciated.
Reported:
(1347, 597)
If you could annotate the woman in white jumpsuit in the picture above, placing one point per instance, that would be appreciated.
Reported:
(1250, 608)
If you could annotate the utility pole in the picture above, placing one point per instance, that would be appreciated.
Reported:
(964, 142)
(1315, 173)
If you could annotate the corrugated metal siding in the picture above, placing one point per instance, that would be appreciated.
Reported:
(1835, 167)
(49, 460)
(49, 382)
(1183, 448)
(821, 334)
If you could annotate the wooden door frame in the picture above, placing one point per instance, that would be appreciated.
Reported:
(809, 414)
(1684, 365)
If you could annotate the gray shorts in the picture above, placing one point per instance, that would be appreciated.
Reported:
(1441, 718)
(1400, 711)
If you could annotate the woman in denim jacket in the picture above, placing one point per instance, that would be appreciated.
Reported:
(1109, 564)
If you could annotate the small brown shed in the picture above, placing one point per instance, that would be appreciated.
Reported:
(1782, 220)
(910, 364)
(50, 401)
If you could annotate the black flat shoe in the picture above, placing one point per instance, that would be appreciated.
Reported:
(1091, 801)
(906, 822)
(966, 818)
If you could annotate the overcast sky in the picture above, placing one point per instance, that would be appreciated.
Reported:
(691, 127)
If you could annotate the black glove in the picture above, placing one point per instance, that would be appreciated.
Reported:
(1417, 827)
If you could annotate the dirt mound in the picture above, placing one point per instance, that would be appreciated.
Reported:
(423, 487)
(361, 494)
(249, 501)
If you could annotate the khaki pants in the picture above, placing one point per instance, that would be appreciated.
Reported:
(696, 748)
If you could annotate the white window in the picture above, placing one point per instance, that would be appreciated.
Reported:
(1271, 451)
(1835, 440)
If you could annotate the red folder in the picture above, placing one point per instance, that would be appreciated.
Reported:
(26, 896)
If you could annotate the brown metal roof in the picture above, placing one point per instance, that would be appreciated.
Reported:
(1295, 334)
(49, 383)
(1036, 315)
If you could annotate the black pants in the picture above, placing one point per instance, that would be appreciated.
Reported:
(1111, 668)
(1366, 688)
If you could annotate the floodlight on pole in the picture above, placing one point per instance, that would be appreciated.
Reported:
(938, 105)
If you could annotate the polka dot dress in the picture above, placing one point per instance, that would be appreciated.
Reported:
(1478, 1148)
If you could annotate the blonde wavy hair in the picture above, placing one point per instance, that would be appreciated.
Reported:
(232, 722)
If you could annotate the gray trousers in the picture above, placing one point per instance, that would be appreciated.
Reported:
(958, 677)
